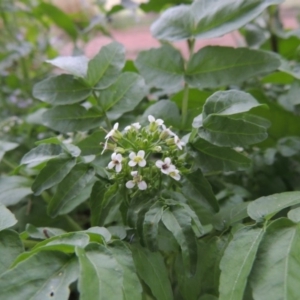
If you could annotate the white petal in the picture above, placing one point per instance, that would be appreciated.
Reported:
(109, 134)
(118, 157)
(127, 128)
(136, 125)
(142, 185)
(104, 148)
(141, 153)
(118, 168)
(168, 160)
(151, 119)
(165, 171)
(159, 163)
(164, 127)
(111, 165)
(142, 163)
(130, 184)
(132, 155)
(176, 177)
(113, 156)
(116, 126)
(134, 173)
(132, 163)
(159, 121)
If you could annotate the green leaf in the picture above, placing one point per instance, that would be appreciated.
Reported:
(76, 65)
(289, 146)
(275, 274)
(165, 109)
(10, 247)
(13, 189)
(50, 276)
(42, 233)
(70, 118)
(106, 65)
(207, 19)
(210, 158)
(264, 208)
(102, 197)
(197, 182)
(284, 123)
(162, 67)
(41, 154)
(6, 146)
(54, 172)
(100, 277)
(58, 17)
(150, 226)
(225, 122)
(151, 268)
(229, 215)
(91, 144)
(123, 95)
(131, 286)
(70, 188)
(294, 215)
(7, 219)
(237, 261)
(215, 66)
(61, 90)
(179, 222)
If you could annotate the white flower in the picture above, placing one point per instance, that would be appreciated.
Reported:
(113, 131)
(134, 126)
(116, 162)
(174, 173)
(158, 122)
(166, 132)
(110, 134)
(137, 159)
(137, 179)
(165, 166)
(178, 142)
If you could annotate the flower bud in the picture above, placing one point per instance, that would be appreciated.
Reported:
(156, 149)
(119, 150)
(170, 142)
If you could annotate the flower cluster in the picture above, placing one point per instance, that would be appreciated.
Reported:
(135, 150)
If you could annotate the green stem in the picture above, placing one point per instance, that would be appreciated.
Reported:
(8, 163)
(72, 223)
(185, 100)
(29, 243)
(185, 104)
(108, 124)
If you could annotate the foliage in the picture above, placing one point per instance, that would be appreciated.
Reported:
(175, 179)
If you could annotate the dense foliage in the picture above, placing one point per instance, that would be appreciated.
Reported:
(169, 177)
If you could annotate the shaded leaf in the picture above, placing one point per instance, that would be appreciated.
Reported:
(54, 172)
(237, 261)
(151, 268)
(207, 19)
(106, 65)
(275, 274)
(69, 188)
(123, 95)
(162, 67)
(50, 275)
(7, 218)
(264, 208)
(210, 158)
(215, 66)
(10, 247)
(70, 118)
(13, 189)
(100, 275)
(6, 146)
(61, 90)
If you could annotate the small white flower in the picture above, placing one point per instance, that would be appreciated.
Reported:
(166, 132)
(174, 173)
(134, 126)
(137, 159)
(178, 142)
(165, 166)
(158, 122)
(137, 179)
(116, 162)
(110, 134)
